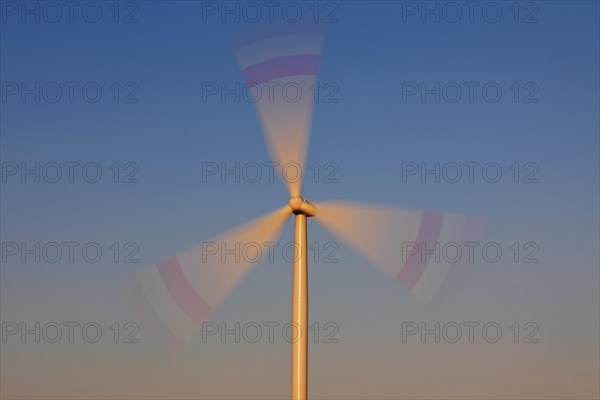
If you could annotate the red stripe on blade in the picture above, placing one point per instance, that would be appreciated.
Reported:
(182, 292)
(151, 324)
(429, 233)
(281, 67)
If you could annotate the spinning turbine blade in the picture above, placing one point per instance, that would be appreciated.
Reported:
(401, 242)
(281, 69)
(184, 290)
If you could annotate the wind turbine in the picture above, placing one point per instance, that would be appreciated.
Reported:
(184, 290)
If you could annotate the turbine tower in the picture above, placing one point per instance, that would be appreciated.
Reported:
(302, 209)
(182, 292)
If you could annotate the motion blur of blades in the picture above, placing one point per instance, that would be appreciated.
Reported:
(185, 289)
(170, 216)
(389, 237)
(281, 65)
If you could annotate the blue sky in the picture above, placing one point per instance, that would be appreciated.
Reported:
(370, 54)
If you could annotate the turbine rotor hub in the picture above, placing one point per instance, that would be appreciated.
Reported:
(301, 206)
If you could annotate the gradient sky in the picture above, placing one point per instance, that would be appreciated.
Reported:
(369, 53)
